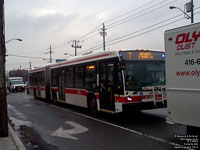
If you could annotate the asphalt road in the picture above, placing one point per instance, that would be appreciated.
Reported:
(45, 126)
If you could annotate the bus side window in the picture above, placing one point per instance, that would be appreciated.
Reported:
(90, 77)
(69, 77)
(79, 77)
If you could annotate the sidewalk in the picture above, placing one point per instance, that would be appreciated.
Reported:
(12, 142)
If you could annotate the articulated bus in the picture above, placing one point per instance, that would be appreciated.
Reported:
(110, 81)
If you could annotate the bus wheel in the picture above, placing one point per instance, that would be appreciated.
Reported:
(92, 105)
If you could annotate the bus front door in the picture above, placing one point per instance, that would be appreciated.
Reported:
(106, 82)
(61, 85)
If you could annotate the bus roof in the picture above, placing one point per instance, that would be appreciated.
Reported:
(86, 58)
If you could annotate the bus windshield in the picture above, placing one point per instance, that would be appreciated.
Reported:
(140, 74)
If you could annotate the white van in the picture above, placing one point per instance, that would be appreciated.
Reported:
(182, 49)
(16, 84)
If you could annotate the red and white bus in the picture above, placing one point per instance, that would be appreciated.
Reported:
(110, 81)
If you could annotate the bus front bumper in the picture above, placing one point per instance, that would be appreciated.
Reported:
(144, 105)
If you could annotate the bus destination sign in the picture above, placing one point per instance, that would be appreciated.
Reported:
(142, 55)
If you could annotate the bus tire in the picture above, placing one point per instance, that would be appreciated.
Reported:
(92, 104)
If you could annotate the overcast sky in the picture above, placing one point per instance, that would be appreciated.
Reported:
(41, 23)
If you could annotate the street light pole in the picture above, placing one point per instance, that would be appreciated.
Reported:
(172, 7)
(3, 103)
(103, 33)
(192, 12)
(189, 8)
(14, 39)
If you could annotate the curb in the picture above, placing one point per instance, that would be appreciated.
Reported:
(15, 138)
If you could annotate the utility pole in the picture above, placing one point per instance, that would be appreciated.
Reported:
(30, 65)
(192, 12)
(50, 53)
(3, 103)
(190, 8)
(103, 33)
(20, 71)
(75, 45)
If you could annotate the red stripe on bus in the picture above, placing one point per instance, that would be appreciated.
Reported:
(54, 88)
(97, 95)
(124, 99)
(42, 88)
(137, 98)
(158, 96)
(76, 92)
(84, 59)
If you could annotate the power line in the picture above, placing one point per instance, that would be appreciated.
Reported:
(145, 28)
(145, 32)
(96, 29)
(100, 46)
(90, 36)
(130, 11)
(26, 56)
(61, 45)
(93, 48)
(117, 23)
(122, 19)
(137, 13)
(79, 38)
(23, 62)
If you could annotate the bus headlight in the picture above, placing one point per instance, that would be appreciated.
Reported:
(128, 98)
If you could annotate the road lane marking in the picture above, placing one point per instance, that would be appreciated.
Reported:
(77, 129)
(123, 128)
(18, 122)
